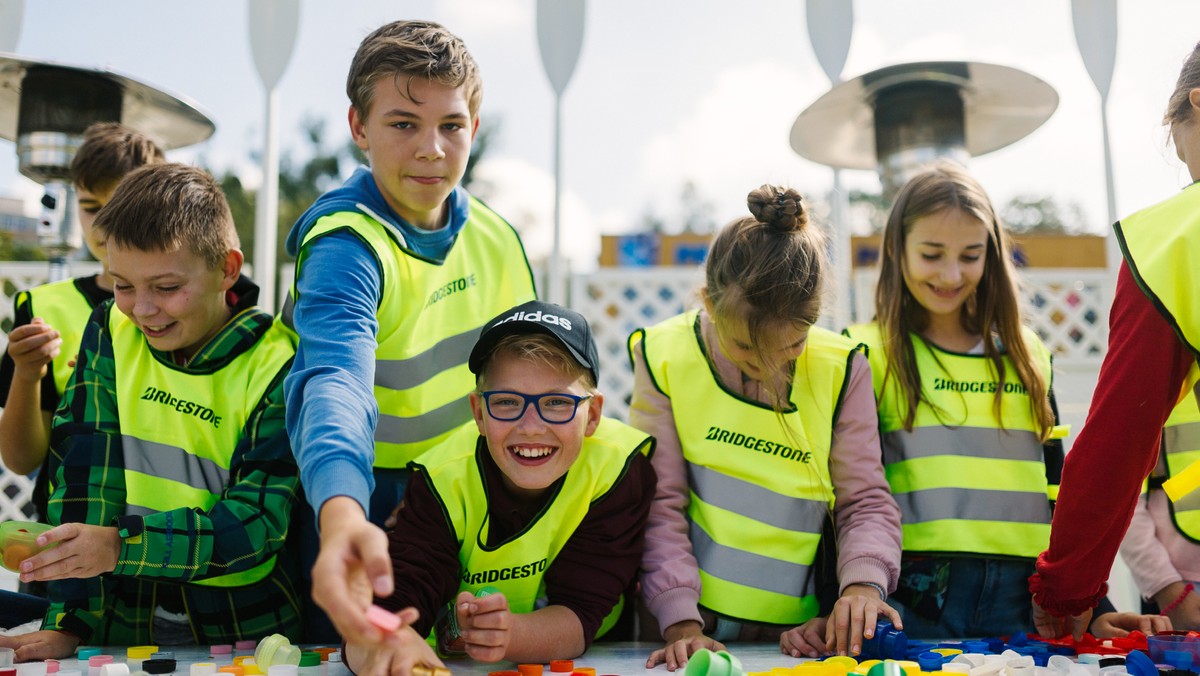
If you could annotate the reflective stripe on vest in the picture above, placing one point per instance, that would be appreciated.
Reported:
(429, 317)
(180, 430)
(66, 309)
(760, 492)
(963, 482)
(517, 566)
(1181, 447)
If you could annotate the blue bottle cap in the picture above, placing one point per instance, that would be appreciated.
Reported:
(975, 646)
(930, 661)
(1137, 663)
(1041, 658)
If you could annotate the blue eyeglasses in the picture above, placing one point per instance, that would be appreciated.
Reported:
(555, 408)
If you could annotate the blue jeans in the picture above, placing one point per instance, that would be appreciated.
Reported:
(984, 598)
(17, 608)
(390, 485)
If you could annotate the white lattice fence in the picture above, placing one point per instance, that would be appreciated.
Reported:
(1067, 307)
(617, 301)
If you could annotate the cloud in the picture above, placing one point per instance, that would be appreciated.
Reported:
(733, 140)
(524, 195)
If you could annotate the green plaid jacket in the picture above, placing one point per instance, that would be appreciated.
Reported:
(246, 527)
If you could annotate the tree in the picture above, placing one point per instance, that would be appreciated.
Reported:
(1042, 215)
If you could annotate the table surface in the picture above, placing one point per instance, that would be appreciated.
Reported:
(626, 659)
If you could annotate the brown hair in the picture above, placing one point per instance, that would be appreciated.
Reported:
(166, 207)
(994, 308)
(767, 269)
(539, 348)
(1179, 107)
(404, 50)
(111, 150)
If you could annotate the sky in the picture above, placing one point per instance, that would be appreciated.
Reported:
(666, 92)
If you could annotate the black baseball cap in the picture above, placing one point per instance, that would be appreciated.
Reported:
(568, 326)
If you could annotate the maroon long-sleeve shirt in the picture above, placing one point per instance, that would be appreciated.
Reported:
(596, 565)
(1139, 385)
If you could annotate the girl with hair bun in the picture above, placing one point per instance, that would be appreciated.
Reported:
(965, 411)
(767, 437)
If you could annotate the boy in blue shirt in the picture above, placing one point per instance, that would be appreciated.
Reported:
(396, 272)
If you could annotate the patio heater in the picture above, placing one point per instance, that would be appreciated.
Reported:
(46, 106)
(898, 118)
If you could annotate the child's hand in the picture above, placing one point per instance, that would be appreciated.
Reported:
(683, 640)
(83, 551)
(32, 347)
(807, 640)
(1117, 625)
(853, 618)
(1185, 615)
(40, 645)
(485, 625)
(393, 658)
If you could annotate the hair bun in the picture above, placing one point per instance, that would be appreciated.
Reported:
(780, 208)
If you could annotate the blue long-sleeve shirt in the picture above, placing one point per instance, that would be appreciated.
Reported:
(331, 408)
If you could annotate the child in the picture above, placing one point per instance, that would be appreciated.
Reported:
(769, 422)
(965, 411)
(176, 482)
(1152, 342)
(542, 499)
(48, 320)
(397, 271)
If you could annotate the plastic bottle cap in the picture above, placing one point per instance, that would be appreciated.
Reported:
(164, 666)
(231, 669)
(140, 652)
(114, 669)
(203, 669)
(220, 649)
(310, 659)
(562, 666)
(325, 652)
(336, 656)
(86, 653)
(99, 660)
(530, 669)
(287, 654)
(282, 670)
(241, 659)
(583, 671)
(51, 666)
(245, 644)
(162, 655)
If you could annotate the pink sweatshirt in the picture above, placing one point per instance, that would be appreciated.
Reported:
(1156, 553)
(866, 517)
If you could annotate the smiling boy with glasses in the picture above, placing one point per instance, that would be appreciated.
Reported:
(543, 499)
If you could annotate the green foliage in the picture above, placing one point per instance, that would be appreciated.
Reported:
(1042, 215)
(11, 250)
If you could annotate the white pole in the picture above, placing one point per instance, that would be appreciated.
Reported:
(557, 292)
(266, 218)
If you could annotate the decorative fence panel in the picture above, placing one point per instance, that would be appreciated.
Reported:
(1068, 309)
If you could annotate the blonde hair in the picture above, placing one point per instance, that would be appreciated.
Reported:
(404, 50)
(994, 307)
(167, 207)
(539, 348)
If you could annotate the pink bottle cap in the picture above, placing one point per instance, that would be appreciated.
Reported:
(220, 649)
(245, 645)
(99, 660)
(51, 666)
(383, 619)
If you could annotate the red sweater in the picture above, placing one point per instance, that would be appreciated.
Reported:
(1138, 387)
